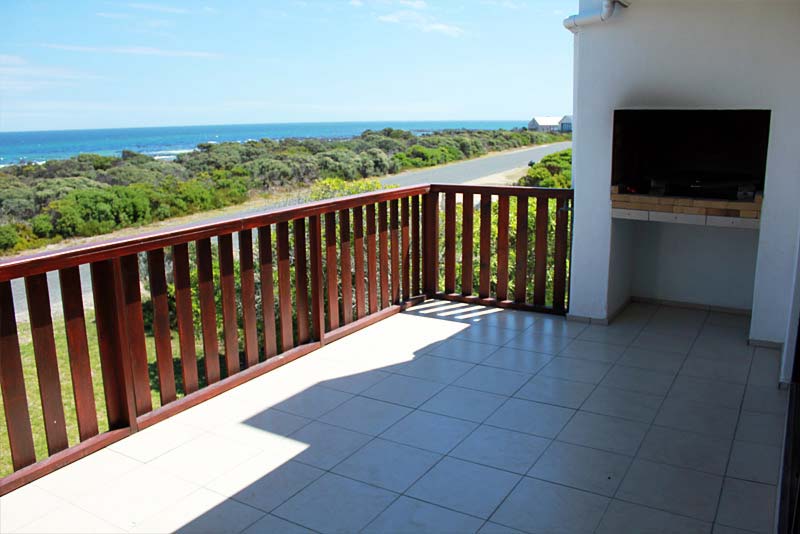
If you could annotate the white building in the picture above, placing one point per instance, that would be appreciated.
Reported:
(565, 124)
(545, 124)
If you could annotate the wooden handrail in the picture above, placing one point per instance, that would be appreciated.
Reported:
(509, 190)
(28, 265)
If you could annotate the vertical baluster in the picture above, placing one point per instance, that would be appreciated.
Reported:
(502, 248)
(395, 250)
(449, 243)
(284, 287)
(317, 298)
(78, 347)
(383, 248)
(248, 281)
(112, 340)
(467, 269)
(430, 233)
(485, 246)
(301, 280)
(358, 252)
(540, 252)
(44, 349)
(135, 326)
(331, 271)
(267, 290)
(521, 275)
(560, 267)
(208, 310)
(372, 262)
(416, 284)
(347, 273)
(405, 248)
(12, 384)
(227, 283)
(161, 327)
(183, 313)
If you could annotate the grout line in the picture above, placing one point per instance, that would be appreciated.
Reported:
(733, 439)
(638, 448)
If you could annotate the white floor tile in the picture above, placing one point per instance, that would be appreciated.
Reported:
(429, 431)
(327, 445)
(368, 416)
(464, 403)
(493, 380)
(747, 505)
(590, 350)
(520, 360)
(602, 432)
(673, 489)
(403, 390)
(388, 465)
(622, 403)
(539, 506)
(336, 504)
(686, 449)
(202, 511)
(581, 467)
(464, 486)
(500, 448)
(536, 418)
(265, 482)
(556, 391)
(627, 517)
(411, 516)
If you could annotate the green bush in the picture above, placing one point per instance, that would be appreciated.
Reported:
(553, 170)
(91, 194)
(42, 225)
(8, 237)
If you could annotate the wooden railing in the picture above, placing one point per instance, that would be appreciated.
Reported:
(180, 317)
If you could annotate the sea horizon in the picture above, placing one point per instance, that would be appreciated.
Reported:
(166, 142)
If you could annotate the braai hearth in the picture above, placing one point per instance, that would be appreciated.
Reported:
(702, 154)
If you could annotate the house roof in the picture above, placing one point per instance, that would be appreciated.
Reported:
(547, 121)
(566, 118)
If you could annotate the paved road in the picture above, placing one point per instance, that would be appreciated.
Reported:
(466, 171)
(455, 173)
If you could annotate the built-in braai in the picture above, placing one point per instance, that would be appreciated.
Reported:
(696, 154)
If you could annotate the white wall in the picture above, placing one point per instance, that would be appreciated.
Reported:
(621, 265)
(792, 333)
(695, 264)
(689, 54)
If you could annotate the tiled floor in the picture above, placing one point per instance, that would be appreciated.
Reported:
(450, 418)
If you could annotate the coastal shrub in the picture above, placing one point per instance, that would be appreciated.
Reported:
(336, 187)
(553, 170)
(42, 225)
(8, 236)
(98, 162)
(16, 199)
(46, 191)
(91, 194)
(268, 171)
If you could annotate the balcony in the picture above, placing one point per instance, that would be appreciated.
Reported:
(436, 388)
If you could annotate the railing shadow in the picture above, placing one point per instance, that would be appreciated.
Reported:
(308, 448)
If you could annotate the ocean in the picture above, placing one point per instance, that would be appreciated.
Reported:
(166, 142)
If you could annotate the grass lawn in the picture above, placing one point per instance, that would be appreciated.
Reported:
(32, 387)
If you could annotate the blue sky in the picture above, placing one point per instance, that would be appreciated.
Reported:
(98, 64)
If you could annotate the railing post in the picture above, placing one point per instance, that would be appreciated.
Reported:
(115, 356)
(430, 240)
(317, 298)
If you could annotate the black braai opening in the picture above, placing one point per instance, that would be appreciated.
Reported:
(718, 154)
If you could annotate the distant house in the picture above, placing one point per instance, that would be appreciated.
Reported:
(566, 124)
(545, 124)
